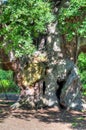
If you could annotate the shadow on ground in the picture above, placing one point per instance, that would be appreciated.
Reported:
(5, 105)
(47, 115)
(77, 119)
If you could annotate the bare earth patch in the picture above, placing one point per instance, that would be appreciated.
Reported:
(43, 119)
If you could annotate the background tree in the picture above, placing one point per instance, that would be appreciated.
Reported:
(72, 24)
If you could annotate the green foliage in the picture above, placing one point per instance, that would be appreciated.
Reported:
(82, 69)
(6, 82)
(23, 21)
(72, 20)
(82, 61)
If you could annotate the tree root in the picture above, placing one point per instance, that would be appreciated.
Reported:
(15, 106)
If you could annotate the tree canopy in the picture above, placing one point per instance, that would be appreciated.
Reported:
(22, 21)
(72, 19)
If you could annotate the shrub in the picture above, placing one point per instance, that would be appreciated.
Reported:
(6, 82)
(82, 69)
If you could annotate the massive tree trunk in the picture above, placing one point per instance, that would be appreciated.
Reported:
(49, 77)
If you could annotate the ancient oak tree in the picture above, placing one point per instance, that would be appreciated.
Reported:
(35, 47)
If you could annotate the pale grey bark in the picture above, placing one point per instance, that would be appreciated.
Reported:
(60, 69)
(53, 51)
(70, 95)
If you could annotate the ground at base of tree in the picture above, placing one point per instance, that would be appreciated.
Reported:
(42, 119)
